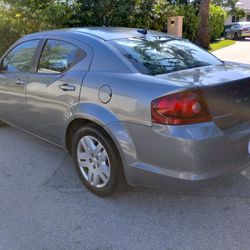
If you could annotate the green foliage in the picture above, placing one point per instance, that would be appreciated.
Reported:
(217, 18)
(129, 13)
(225, 3)
(26, 16)
(191, 20)
(20, 17)
(231, 7)
(238, 13)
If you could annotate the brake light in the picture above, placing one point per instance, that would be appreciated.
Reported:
(180, 108)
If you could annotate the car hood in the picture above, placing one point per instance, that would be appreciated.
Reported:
(209, 75)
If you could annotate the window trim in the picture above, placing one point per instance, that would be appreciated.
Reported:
(8, 51)
(40, 52)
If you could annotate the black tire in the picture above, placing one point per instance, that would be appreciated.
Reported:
(236, 36)
(227, 36)
(114, 159)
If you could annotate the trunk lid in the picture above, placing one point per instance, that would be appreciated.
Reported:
(226, 89)
(229, 103)
(209, 75)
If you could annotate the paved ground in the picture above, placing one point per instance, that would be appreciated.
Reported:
(239, 52)
(44, 206)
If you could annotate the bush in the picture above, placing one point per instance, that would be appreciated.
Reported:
(217, 18)
(191, 21)
(18, 20)
(151, 14)
(22, 17)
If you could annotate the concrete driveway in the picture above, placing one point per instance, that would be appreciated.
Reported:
(44, 206)
(239, 52)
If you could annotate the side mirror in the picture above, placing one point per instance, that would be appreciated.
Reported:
(58, 65)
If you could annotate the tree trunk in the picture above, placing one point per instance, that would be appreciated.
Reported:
(203, 35)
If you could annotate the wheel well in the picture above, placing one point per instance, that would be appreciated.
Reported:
(79, 122)
(71, 129)
(75, 125)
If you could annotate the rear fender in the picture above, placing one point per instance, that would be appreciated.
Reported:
(115, 129)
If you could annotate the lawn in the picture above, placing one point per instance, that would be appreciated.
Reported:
(220, 44)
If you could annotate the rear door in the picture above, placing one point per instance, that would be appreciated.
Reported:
(54, 86)
(15, 68)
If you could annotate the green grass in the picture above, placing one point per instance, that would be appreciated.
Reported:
(220, 44)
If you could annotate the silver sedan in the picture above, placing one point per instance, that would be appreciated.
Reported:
(129, 105)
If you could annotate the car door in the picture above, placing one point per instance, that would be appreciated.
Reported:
(54, 86)
(15, 67)
(230, 31)
(235, 29)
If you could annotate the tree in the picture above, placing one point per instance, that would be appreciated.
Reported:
(231, 6)
(191, 20)
(127, 13)
(203, 34)
(20, 17)
(225, 3)
(237, 13)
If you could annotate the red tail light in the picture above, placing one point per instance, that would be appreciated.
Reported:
(180, 108)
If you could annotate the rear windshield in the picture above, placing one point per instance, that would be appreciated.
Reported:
(162, 55)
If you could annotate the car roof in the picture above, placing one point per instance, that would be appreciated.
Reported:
(104, 33)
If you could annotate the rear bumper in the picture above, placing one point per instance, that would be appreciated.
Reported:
(189, 153)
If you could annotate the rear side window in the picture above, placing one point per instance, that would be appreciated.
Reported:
(20, 58)
(161, 55)
(59, 56)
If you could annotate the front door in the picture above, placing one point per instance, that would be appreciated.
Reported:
(55, 86)
(15, 68)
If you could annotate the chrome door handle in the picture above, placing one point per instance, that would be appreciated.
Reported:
(67, 87)
(20, 82)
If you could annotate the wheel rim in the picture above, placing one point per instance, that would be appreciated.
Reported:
(93, 161)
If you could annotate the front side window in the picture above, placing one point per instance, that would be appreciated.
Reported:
(59, 56)
(20, 58)
(161, 55)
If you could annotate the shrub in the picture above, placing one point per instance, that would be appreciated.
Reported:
(217, 18)
(190, 22)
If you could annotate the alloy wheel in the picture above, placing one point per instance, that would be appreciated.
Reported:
(93, 161)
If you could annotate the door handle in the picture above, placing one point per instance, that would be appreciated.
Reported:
(67, 87)
(20, 82)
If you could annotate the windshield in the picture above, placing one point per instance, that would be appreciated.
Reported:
(161, 55)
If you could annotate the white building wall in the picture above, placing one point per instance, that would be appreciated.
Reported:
(244, 19)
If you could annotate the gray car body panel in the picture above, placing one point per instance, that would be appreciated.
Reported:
(150, 152)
